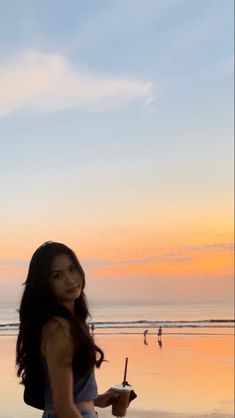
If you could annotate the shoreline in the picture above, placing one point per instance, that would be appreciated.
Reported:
(226, 331)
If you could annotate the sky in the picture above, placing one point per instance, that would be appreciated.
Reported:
(116, 138)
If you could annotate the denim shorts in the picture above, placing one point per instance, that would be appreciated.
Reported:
(87, 413)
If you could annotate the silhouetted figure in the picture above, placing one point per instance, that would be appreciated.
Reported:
(92, 327)
(145, 337)
(159, 333)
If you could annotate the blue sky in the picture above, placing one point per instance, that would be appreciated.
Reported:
(115, 114)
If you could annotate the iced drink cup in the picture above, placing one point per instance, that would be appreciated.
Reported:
(120, 404)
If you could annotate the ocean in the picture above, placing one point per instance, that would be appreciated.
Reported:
(131, 316)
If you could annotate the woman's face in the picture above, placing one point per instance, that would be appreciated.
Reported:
(65, 279)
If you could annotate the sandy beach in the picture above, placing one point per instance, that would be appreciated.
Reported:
(185, 377)
(164, 414)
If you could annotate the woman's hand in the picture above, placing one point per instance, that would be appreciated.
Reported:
(106, 398)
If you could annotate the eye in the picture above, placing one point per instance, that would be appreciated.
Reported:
(55, 276)
(72, 267)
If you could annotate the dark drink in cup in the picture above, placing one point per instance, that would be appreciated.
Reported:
(120, 404)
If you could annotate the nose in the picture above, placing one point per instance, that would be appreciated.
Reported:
(69, 278)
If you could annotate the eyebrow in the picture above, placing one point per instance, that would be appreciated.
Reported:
(59, 271)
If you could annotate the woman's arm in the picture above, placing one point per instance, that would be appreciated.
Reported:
(106, 399)
(58, 351)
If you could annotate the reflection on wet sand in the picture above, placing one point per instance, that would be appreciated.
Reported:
(187, 374)
(159, 343)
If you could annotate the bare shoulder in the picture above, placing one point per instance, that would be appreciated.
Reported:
(56, 338)
(56, 326)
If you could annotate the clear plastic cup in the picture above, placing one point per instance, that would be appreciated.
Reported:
(120, 404)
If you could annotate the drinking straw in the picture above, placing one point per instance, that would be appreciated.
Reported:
(125, 372)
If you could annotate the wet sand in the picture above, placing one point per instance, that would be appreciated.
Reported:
(188, 376)
(164, 414)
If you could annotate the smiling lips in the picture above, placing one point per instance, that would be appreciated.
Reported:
(72, 290)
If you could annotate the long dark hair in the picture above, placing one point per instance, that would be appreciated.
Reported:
(38, 305)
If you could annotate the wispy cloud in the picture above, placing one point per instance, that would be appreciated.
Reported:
(181, 256)
(12, 268)
(48, 82)
(223, 246)
(13, 263)
(184, 255)
(141, 260)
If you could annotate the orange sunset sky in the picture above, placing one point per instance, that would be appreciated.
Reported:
(119, 143)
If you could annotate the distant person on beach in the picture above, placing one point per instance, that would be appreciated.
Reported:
(146, 332)
(145, 335)
(159, 333)
(55, 353)
(92, 327)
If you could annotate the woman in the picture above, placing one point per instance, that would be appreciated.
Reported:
(54, 347)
